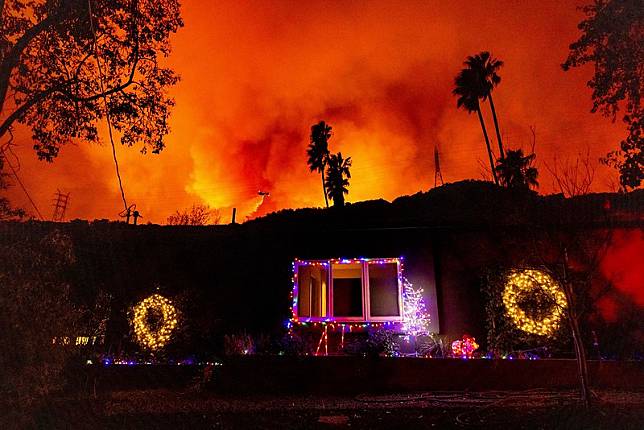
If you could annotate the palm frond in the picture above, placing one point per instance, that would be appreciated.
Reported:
(515, 170)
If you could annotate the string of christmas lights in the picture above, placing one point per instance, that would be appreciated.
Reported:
(522, 282)
(415, 319)
(295, 319)
(154, 338)
(78, 340)
(464, 348)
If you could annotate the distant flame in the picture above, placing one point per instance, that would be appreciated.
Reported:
(253, 83)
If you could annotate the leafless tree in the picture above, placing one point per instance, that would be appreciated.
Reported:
(198, 214)
(572, 178)
(575, 264)
(484, 170)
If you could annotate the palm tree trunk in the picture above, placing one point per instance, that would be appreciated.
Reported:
(496, 126)
(487, 143)
(326, 199)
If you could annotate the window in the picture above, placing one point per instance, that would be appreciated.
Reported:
(348, 290)
(312, 298)
(384, 299)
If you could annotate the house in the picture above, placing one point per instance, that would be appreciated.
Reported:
(357, 293)
(342, 269)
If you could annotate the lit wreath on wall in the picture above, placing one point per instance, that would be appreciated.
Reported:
(156, 335)
(522, 282)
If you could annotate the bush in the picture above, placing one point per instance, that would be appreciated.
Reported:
(239, 344)
(35, 309)
(433, 345)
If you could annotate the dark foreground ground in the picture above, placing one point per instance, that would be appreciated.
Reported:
(189, 409)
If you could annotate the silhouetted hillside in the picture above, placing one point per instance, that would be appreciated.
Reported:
(465, 204)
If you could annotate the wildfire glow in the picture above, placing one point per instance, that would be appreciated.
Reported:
(256, 75)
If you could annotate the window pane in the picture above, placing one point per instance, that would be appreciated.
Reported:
(383, 290)
(312, 291)
(347, 290)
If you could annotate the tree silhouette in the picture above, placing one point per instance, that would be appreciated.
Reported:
(572, 178)
(612, 40)
(515, 170)
(337, 178)
(468, 89)
(7, 212)
(197, 215)
(66, 64)
(318, 152)
(485, 66)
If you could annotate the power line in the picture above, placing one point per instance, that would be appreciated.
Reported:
(15, 174)
(107, 110)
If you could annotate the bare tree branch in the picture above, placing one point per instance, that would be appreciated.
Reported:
(573, 179)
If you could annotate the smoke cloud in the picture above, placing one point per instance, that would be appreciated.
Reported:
(257, 75)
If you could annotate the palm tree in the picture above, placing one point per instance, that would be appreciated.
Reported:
(337, 178)
(318, 151)
(468, 90)
(516, 171)
(486, 67)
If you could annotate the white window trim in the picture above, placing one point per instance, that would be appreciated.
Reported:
(366, 299)
(367, 288)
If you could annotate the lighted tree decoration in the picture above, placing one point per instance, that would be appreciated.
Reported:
(416, 319)
(154, 320)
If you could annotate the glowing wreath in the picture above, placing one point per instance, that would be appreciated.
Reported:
(158, 336)
(522, 282)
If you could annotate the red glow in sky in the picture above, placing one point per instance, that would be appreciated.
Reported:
(256, 75)
(623, 264)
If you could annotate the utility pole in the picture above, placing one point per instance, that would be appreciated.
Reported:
(60, 206)
(438, 175)
(129, 212)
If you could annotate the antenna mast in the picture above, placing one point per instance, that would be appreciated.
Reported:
(60, 206)
(438, 175)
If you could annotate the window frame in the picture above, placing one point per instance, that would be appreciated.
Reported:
(366, 299)
(332, 291)
(385, 318)
(296, 290)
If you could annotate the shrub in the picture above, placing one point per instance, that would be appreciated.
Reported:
(35, 308)
(239, 344)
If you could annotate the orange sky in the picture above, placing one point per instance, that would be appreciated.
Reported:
(256, 75)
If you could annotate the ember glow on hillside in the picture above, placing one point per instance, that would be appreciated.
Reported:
(257, 75)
